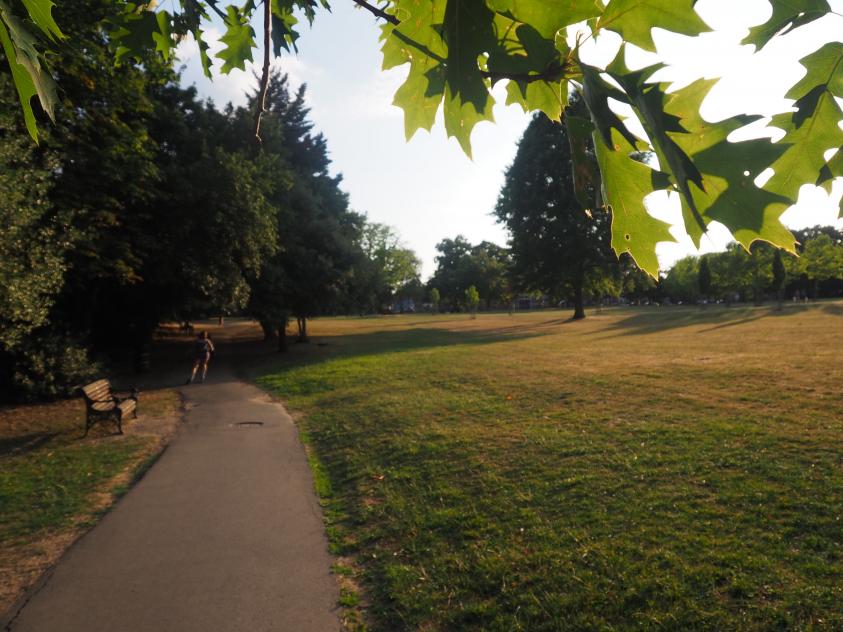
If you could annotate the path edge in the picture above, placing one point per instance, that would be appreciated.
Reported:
(8, 618)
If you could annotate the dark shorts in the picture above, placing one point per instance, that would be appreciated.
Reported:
(203, 358)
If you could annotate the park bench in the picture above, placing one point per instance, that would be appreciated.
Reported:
(102, 403)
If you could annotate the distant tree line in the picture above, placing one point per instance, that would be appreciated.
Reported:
(142, 204)
(765, 273)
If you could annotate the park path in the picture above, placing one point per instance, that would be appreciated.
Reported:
(223, 533)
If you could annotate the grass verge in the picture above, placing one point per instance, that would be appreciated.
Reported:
(54, 483)
(676, 468)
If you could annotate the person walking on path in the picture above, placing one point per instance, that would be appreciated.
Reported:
(204, 349)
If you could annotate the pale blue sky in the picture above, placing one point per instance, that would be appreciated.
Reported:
(429, 190)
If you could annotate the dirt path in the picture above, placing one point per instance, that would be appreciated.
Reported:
(223, 533)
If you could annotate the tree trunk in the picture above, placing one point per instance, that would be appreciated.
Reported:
(579, 306)
(141, 355)
(302, 322)
(268, 330)
(282, 334)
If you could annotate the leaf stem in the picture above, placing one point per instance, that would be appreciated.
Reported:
(380, 13)
(267, 50)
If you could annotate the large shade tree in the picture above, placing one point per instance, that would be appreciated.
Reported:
(558, 247)
(318, 233)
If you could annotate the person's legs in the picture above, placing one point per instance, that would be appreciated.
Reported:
(204, 363)
(193, 372)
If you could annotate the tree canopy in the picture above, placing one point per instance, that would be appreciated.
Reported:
(558, 248)
(457, 50)
(460, 265)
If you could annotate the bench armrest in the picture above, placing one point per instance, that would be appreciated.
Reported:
(125, 394)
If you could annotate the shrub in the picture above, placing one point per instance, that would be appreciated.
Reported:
(44, 366)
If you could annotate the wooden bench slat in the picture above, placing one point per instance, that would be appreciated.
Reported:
(96, 387)
(127, 405)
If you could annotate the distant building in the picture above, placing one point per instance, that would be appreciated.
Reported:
(527, 301)
(403, 306)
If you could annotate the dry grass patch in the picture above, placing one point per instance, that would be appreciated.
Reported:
(55, 483)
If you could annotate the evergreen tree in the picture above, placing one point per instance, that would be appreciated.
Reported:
(319, 235)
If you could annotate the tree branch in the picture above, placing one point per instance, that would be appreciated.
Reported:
(267, 50)
(553, 72)
(380, 13)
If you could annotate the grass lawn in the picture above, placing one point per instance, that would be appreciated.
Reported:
(54, 483)
(670, 468)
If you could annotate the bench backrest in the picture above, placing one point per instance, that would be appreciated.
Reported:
(97, 391)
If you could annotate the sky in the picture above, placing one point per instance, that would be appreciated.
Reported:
(428, 189)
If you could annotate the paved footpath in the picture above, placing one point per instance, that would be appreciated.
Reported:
(223, 533)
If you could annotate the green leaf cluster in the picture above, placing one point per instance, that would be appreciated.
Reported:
(20, 29)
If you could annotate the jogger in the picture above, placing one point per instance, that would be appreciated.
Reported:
(204, 350)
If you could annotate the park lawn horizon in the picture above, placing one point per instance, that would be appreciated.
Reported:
(675, 467)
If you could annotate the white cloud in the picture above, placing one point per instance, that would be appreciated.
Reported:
(235, 86)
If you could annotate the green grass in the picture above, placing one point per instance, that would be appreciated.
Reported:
(674, 469)
(48, 490)
(55, 483)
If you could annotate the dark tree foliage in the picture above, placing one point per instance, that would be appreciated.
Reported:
(704, 277)
(557, 247)
(779, 272)
(312, 271)
(143, 204)
(36, 355)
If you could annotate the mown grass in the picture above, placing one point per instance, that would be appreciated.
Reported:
(48, 490)
(654, 468)
(54, 482)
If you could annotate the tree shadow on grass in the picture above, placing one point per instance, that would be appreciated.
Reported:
(717, 317)
(257, 357)
(18, 445)
(833, 309)
(657, 319)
